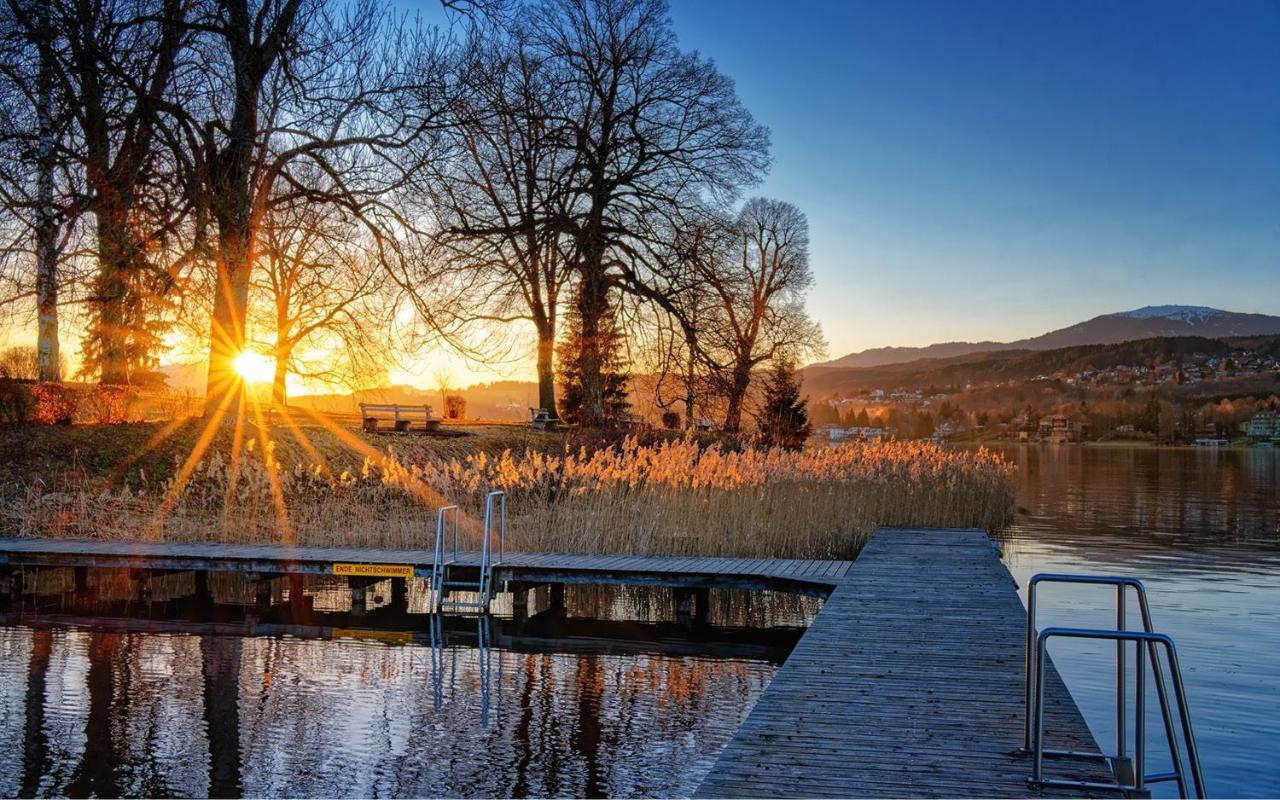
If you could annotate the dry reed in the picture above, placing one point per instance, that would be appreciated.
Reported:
(673, 497)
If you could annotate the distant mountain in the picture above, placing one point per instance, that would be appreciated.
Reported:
(1025, 365)
(1142, 323)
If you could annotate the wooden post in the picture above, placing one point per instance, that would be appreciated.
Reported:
(701, 605)
(684, 604)
(519, 601)
(359, 603)
(262, 593)
(203, 597)
(400, 594)
(297, 596)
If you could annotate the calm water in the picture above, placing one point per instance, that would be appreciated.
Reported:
(614, 698)
(618, 697)
(1202, 529)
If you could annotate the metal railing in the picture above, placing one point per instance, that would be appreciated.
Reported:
(495, 521)
(1146, 639)
(438, 563)
(486, 547)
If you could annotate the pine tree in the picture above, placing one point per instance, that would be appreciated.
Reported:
(784, 421)
(613, 373)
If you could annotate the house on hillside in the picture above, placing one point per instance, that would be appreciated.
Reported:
(1060, 429)
(1264, 425)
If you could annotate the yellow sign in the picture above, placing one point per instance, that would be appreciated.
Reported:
(390, 637)
(374, 570)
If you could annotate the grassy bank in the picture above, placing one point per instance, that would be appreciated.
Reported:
(328, 485)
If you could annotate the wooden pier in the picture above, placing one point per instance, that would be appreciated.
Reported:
(909, 683)
(801, 576)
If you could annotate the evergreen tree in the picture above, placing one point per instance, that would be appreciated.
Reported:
(613, 371)
(1149, 417)
(784, 421)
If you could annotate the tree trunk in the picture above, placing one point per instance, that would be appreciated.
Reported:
(46, 227)
(115, 259)
(690, 376)
(546, 368)
(593, 306)
(279, 387)
(227, 330)
(737, 397)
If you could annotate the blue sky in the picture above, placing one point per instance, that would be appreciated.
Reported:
(981, 169)
(978, 170)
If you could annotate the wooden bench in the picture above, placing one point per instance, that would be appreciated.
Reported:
(401, 417)
(541, 419)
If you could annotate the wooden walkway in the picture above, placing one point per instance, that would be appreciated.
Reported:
(908, 683)
(796, 575)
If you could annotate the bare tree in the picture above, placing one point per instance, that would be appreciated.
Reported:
(498, 190)
(297, 85)
(758, 284)
(654, 129)
(320, 298)
(32, 126)
(113, 65)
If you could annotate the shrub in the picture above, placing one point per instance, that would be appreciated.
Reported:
(107, 404)
(15, 401)
(455, 406)
(52, 403)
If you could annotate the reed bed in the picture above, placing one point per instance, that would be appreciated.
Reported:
(673, 497)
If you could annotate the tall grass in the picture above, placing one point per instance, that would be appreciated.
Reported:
(674, 497)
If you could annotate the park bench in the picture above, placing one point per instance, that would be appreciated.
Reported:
(401, 417)
(541, 419)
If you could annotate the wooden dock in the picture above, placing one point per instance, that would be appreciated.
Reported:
(802, 576)
(909, 683)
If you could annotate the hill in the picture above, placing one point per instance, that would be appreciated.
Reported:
(1027, 364)
(1142, 323)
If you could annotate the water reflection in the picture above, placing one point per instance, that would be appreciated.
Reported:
(282, 700)
(1202, 528)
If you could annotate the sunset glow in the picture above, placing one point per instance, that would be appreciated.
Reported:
(254, 367)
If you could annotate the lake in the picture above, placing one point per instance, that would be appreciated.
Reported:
(617, 696)
(614, 695)
(1202, 528)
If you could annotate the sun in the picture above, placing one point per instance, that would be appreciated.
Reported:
(254, 367)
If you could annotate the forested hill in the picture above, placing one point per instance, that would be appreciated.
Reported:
(1016, 365)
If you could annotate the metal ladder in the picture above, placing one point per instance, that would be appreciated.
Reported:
(1130, 776)
(441, 583)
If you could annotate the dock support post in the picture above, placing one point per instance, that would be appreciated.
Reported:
(519, 601)
(359, 595)
(684, 604)
(261, 592)
(297, 595)
(11, 583)
(701, 605)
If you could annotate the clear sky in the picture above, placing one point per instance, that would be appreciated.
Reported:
(992, 170)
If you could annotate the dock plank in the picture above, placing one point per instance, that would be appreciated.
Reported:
(907, 683)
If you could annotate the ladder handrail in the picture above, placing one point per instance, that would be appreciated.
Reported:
(1121, 583)
(437, 562)
(486, 546)
(1034, 672)
(1152, 640)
